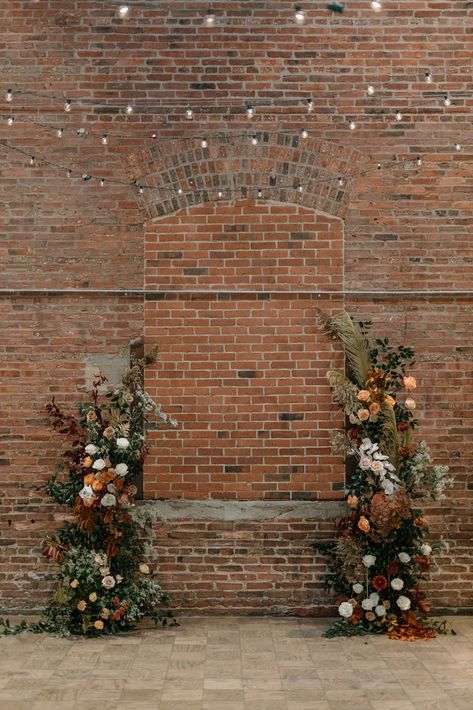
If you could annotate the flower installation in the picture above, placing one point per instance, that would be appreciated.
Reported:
(381, 553)
(104, 584)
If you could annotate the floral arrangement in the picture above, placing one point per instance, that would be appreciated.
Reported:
(104, 584)
(381, 553)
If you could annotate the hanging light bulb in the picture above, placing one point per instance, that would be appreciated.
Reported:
(447, 100)
(210, 18)
(129, 109)
(10, 120)
(59, 132)
(304, 133)
(204, 143)
(32, 160)
(398, 116)
(154, 136)
(352, 125)
(102, 182)
(123, 11)
(67, 105)
(310, 105)
(220, 194)
(376, 5)
(299, 14)
(428, 77)
(189, 112)
(9, 96)
(370, 90)
(250, 111)
(260, 192)
(105, 139)
(457, 147)
(419, 161)
(254, 140)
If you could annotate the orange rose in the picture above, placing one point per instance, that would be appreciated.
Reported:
(88, 502)
(98, 625)
(420, 522)
(410, 403)
(390, 400)
(363, 395)
(97, 485)
(364, 524)
(374, 408)
(89, 479)
(352, 501)
(107, 476)
(410, 383)
(87, 462)
(363, 414)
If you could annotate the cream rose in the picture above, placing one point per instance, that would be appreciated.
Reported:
(108, 500)
(397, 584)
(121, 469)
(346, 610)
(369, 560)
(357, 588)
(91, 449)
(377, 467)
(123, 443)
(99, 465)
(410, 403)
(365, 463)
(367, 604)
(404, 557)
(426, 549)
(86, 493)
(380, 610)
(108, 582)
(404, 603)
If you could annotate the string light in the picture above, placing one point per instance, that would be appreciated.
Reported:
(154, 136)
(69, 173)
(370, 90)
(260, 192)
(340, 181)
(123, 11)
(203, 143)
(250, 111)
(379, 166)
(179, 192)
(352, 125)
(102, 182)
(300, 188)
(220, 194)
(67, 105)
(299, 14)
(104, 139)
(447, 100)
(310, 105)
(398, 116)
(419, 161)
(304, 133)
(59, 132)
(10, 120)
(189, 113)
(9, 96)
(210, 18)
(129, 109)
(457, 147)
(140, 189)
(32, 160)
(376, 5)
(428, 77)
(254, 140)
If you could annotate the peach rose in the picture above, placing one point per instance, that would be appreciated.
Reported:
(109, 432)
(82, 605)
(410, 403)
(105, 613)
(87, 462)
(75, 583)
(352, 501)
(144, 569)
(97, 485)
(374, 408)
(91, 416)
(410, 383)
(363, 395)
(93, 597)
(89, 479)
(364, 524)
(363, 414)
(98, 625)
(390, 400)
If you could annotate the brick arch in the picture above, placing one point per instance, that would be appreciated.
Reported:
(278, 165)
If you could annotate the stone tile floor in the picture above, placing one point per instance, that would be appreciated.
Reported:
(237, 663)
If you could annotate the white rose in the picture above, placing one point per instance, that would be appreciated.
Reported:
(346, 610)
(397, 584)
(91, 449)
(377, 467)
(368, 604)
(108, 582)
(426, 550)
(404, 557)
(121, 469)
(380, 610)
(369, 560)
(358, 588)
(99, 464)
(404, 603)
(86, 493)
(366, 444)
(108, 500)
(365, 463)
(123, 443)
(388, 486)
(374, 598)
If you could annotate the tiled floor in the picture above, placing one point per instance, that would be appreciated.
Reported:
(228, 663)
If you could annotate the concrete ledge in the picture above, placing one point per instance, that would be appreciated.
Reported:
(239, 510)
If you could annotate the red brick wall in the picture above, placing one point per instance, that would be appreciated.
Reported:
(405, 227)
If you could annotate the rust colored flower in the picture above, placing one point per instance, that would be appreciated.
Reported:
(88, 502)
(410, 383)
(403, 426)
(364, 524)
(393, 568)
(423, 562)
(97, 485)
(379, 582)
(390, 400)
(87, 462)
(107, 476)
(352, 501)
(420, 522)
(363, 395)
(374, 408)
(98, 625)
(89, 479)
(91, 416)
(109, 432)
(404, 452)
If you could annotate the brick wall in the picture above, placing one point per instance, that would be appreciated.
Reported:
(405, 227)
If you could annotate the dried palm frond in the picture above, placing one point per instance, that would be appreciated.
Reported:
(344, 391)
(389, 437)
(355, 345)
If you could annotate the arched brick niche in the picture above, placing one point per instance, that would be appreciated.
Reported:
(242, 359)
(278, 164)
